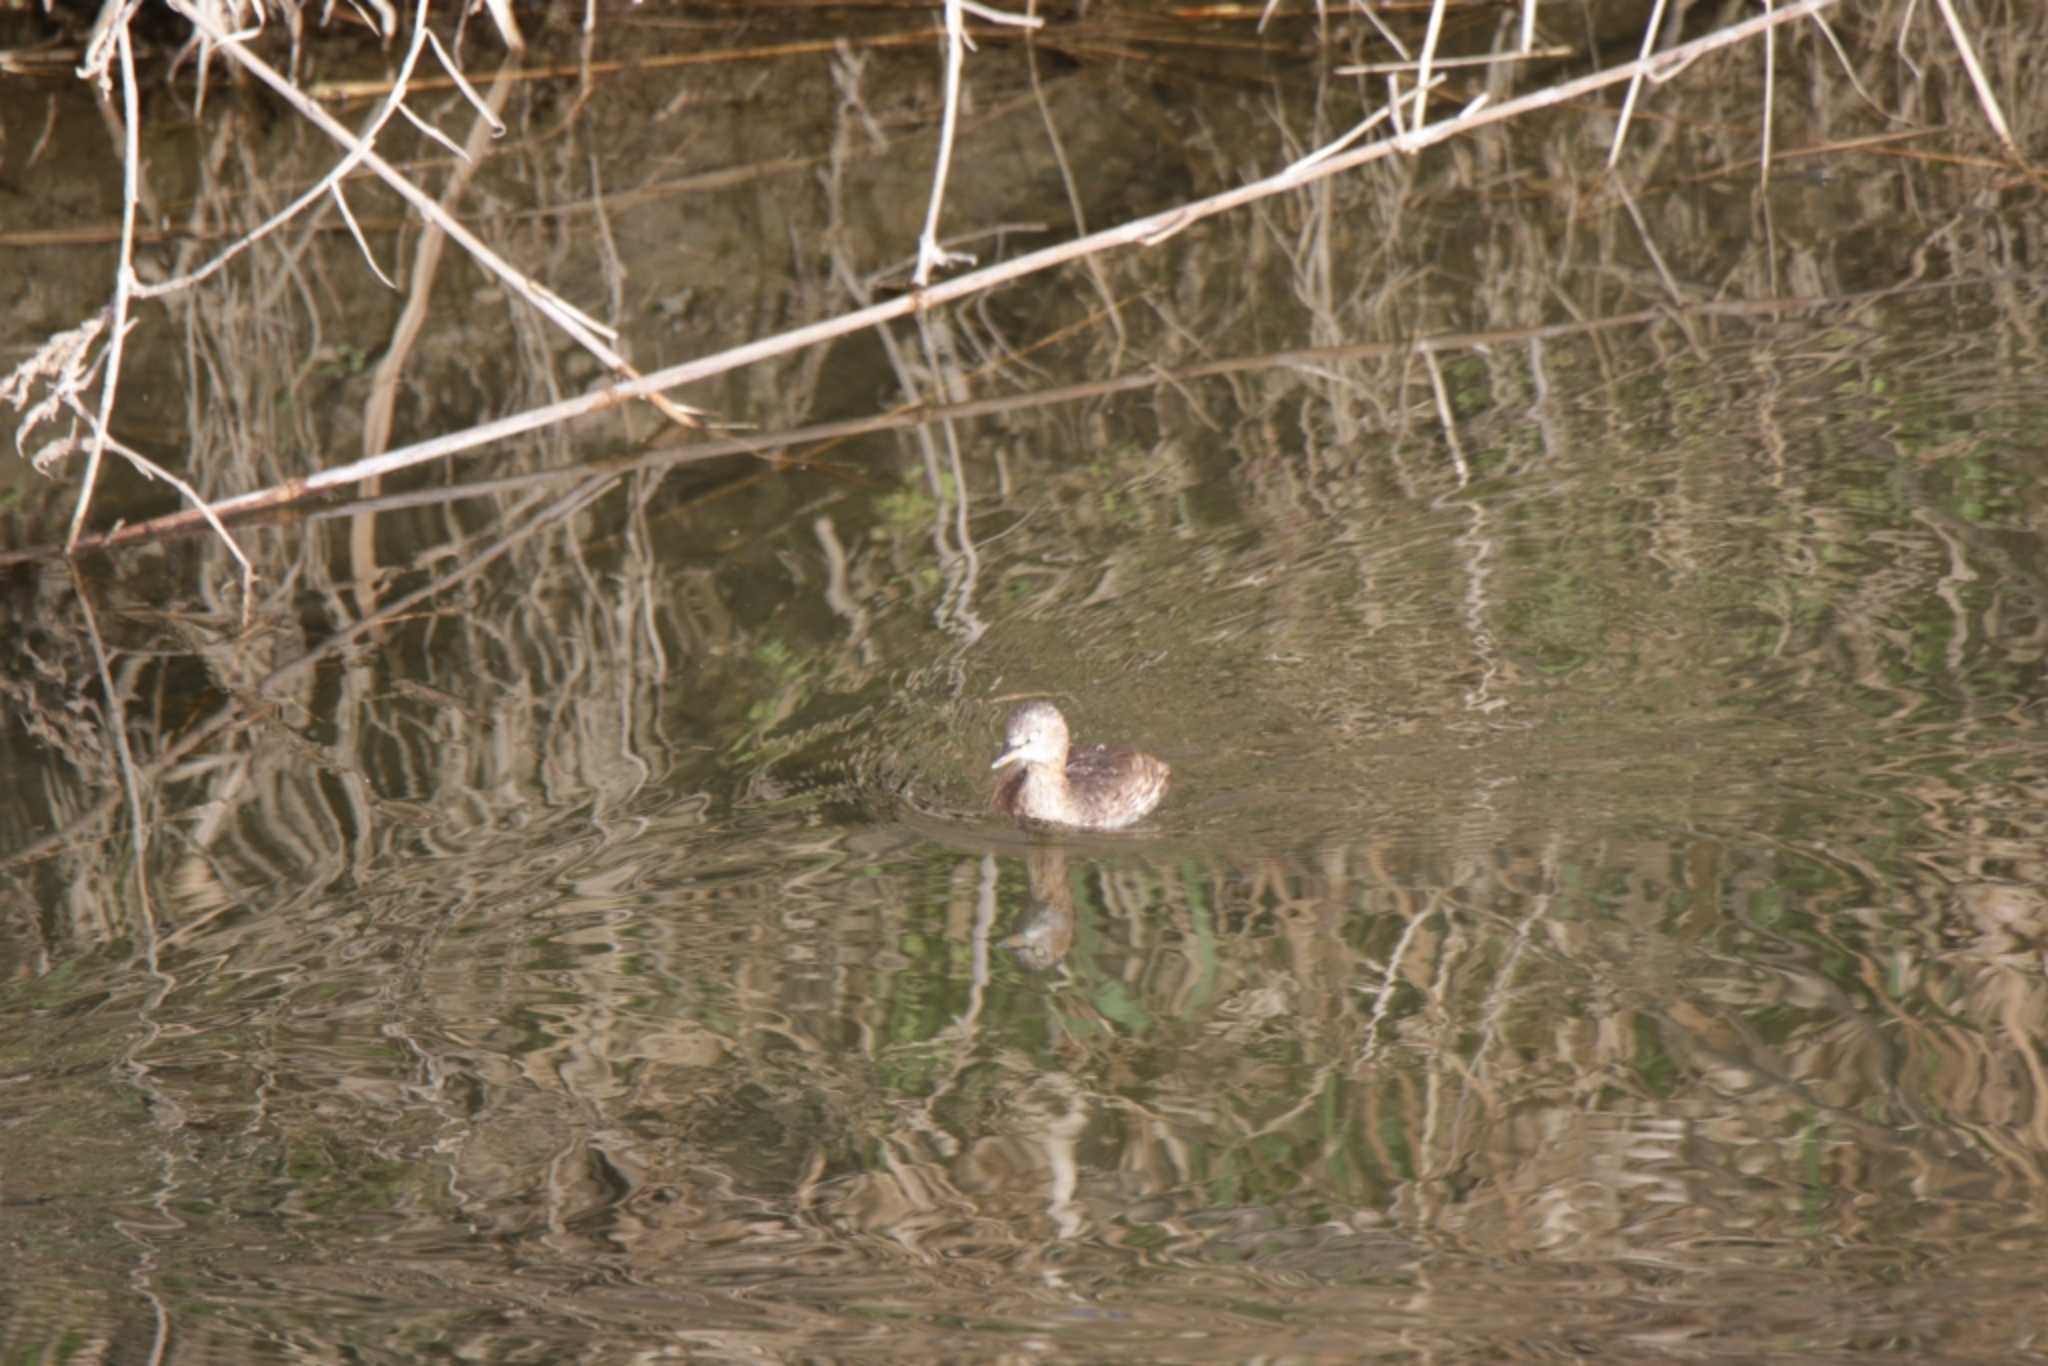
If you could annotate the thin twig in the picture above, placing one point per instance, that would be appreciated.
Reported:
(151, 470)
(332, 180)
(1977, 78)
(1427, 59)
(1445, 416)
(1635, 84)
(1452, 63)
(124, 269)
(1074, 206)
(930, 255)
(1770, 90)
(584, 329)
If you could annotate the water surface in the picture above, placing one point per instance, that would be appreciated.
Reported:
(1599, 909)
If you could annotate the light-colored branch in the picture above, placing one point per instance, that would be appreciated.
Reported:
(930, 255)
(330, 181)
(825, 433)
(1635, 85)
(1427, 60)
(124, 270)
(1147, 230)
(149, 469)
(1770, 95)
(588, 332)
(1977, 78)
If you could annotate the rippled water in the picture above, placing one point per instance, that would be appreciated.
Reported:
(1598, 911)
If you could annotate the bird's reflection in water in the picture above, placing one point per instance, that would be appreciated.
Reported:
(1046, 931)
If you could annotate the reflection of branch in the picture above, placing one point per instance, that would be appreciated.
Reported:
(283, 495)
(951, 539)
(235, 708)
(839, 594)
(131, 783)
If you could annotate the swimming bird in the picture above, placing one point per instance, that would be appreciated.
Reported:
(1094, 787)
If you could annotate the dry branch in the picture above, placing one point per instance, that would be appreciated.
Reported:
(1337, 158)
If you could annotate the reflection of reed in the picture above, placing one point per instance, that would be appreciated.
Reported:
(1617, 841)
(1519, 1053)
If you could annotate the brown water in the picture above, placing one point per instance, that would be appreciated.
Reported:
(1599, 911)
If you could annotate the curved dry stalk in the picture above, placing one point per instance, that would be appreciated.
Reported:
(930, 255)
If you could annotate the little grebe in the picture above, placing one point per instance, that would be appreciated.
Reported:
(1090, 788)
